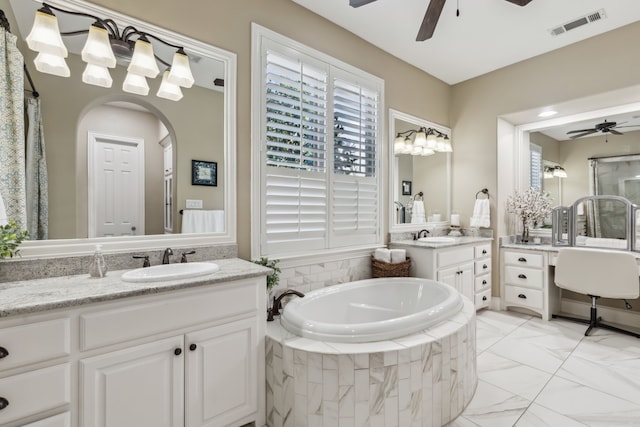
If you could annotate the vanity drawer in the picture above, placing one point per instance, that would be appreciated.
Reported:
(454, 256)
(61, 420)
(482, 266)
(483, 299)
(525, 259)
(483, 283)
(525, 297)
(483, 251)
(35, 391)
(523, 276)
(34, 342)
(100, 328)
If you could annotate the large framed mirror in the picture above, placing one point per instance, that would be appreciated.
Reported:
(178, 139)
(414, 174)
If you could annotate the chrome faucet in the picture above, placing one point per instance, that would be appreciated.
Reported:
(167, 253)
(277, 304)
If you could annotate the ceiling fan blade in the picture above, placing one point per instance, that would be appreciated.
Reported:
(582, 130)
(430, 20)
(589, 132)
(615, 132)
(358, 3)
(627, 126)
(520, 2)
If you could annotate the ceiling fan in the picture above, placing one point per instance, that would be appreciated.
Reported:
(431, 17)
(604, 127)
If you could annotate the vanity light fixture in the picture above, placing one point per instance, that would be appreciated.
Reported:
(427, 141)
(554, 172)
(104, 46)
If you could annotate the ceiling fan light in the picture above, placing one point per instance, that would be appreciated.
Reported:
(52, 64)
(97, 50)
(180, 72)
(97, 75)
(45, 36)
(135, 83)
(169, 90)
(143, 61)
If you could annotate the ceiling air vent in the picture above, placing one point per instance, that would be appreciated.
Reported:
(578, 22)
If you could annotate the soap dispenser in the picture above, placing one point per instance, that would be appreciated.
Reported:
(98, 267)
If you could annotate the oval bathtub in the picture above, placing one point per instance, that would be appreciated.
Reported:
(371, 310)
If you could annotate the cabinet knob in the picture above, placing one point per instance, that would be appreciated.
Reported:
(3, 352)
(193, 347)
(522, 259)
(522, 296)
(522, 276)
(484, 298)
(484, 266)
(484, 252)
(177, 351)
(484, 282)
(3, 403)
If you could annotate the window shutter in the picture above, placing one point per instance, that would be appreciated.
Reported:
(535, 174)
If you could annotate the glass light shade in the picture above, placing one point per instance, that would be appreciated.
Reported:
(169, 90)
(416, 151)
(447, 148)
(440, 146)
(431, 141)
(52, 64)
(408, 146)
(45, 36)
(548, 173)
(559, 172)
(398, 145)
(427, 152)
(97, 75)
(97, 50)
(180, 73)
(135, 83)
(421, 139)
(143, 62)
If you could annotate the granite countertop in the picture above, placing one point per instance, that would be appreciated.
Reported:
(546, 247)
(31, 296)
(458, 241)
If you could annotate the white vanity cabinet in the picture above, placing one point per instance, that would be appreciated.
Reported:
(466, 267)
(190, 357)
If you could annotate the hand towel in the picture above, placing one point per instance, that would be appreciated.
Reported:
(398, 255)
(417, 212)
(3, 213)
(382, 254)
(202, 221)
(481, 216)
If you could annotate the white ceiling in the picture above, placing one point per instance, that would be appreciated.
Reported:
(488, 34)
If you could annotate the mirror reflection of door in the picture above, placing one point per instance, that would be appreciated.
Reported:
(116, 185)
(152, 197)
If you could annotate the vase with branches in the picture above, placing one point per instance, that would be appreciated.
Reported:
(531, 207)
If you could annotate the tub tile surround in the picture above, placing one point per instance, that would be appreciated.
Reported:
(423, 379)
(17, 269)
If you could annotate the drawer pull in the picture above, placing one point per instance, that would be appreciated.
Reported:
(522, 259)
(193, 347)
(484, 282)
(3, 352)
(484, 298)
(3, 403)
(484, 266)
(177, 351)
(484, 252)
(522, 296)
(522, 276)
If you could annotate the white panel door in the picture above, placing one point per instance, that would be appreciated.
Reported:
(221, 374)
(116, 185)
(142, 386)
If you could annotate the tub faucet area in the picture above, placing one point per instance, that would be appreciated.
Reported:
(277, 303)
(165, 257)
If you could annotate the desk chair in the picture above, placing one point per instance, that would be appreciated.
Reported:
(598, 273)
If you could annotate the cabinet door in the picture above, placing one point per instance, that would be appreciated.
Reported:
(142, 386)
(461, 278)
(221, 374)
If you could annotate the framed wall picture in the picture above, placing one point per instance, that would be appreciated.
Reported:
(406, 188)
(204, 173)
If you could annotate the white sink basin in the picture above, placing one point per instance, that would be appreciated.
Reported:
(437, 239)
(164, 272)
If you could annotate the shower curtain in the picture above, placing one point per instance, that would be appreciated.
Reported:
(12, 152)
(36, 174)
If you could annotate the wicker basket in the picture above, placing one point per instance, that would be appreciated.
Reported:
(386, 269)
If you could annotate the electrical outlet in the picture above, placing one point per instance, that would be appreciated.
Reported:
(194, 204)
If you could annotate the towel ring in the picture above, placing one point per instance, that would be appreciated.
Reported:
(420, 194)
(483, 191)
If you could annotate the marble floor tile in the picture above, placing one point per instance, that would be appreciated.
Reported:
(511, 376)
(492, 406)
(492, 326)
(539, 416)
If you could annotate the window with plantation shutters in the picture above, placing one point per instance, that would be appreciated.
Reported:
(318, 152)
(535, 171)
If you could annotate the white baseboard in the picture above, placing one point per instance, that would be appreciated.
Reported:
(611, 315)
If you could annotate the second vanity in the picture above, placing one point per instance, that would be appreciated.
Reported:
(464, 263)
(76, 351)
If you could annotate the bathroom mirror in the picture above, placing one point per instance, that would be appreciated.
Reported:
(199, 127)
(410, 175)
